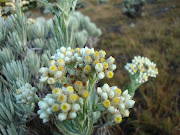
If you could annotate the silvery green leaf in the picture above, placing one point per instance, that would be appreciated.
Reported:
(81, 38)
(2, 29)
(15, 42)
(45, 58)
(6, 56)
(38, 43)
(33, 62)
(15, 70)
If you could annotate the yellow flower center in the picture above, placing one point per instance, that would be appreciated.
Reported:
(78, 49)
(134, 70)
(56, 90)
(103, 60)
(106, 103)
(116, 100)
(96, 53)
(103, 52)
(50, 61)
(87, 68)
(55, 107)
(88, 51)
(78, 83)
(118, 119)
(87, 58)
(110, 74)
(73, 97)
(52, 68)
(64, 107)
(70, 88)
(61, 98)
(85, 94)
(60, 60)
(105, 65)
(60, 68)
(118, 91)
(50, 81)
(96, 62)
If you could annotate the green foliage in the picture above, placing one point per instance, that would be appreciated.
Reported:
(11, 130)
(11, 112)
(81, 38)
(6, 55)
(40, 29)
(2, 30)
(33, 62)
(83, 28)
(15, 42)
(14, 71)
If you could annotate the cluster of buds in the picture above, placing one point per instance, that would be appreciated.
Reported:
(85, 62)
(142, 67)
(115, 102)
(62, 102)
(31, 21)
(26, 94)
(12, 5)
(55, 72)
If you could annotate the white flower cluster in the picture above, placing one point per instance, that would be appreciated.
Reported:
(142, 67)
(26, 94)
(87, 60)
(62, 102)
(116, 103)
(55, 72)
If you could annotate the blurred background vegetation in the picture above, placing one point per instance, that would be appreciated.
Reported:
(154, 34)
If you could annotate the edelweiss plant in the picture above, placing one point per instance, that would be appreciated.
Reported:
(67, 94)
(74, 100)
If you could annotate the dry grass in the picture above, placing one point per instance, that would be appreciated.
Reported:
(156, 36)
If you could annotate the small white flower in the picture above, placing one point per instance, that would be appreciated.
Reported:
(111, 94)
(69, 53)
(112, 67)
(58, 74)
(46, 120)
(101, 75)
(67, 60)
(75, 107)
(99, 90)
(43, 115)
(72, 115)
(121, 106)
(43, 78)
(106, 88)
(51, 80)
(99, 67)
(42, 105)
(125, 113)
(49, 110)
(43, 70)
(79, 59)
(62, 116)
(51, 101)
(62, 49)
(129, 103)
(111, 109)
(104, 95)
(110, 60)
(27, 85)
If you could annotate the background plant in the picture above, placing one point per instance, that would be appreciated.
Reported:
(133, 8)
